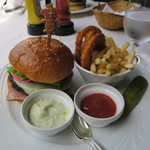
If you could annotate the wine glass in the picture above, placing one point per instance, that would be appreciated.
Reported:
(137, 27)
(137, 21)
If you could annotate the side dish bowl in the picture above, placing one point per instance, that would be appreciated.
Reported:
(55, 95)
(101, 88)
(90, 77)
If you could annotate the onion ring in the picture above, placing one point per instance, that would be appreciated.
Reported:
(89, 39)
(79, 40)
(87, 50)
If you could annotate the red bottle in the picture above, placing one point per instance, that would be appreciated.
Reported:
(63, 12)
(64, 24)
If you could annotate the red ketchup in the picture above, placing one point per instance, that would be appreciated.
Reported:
(98, 105)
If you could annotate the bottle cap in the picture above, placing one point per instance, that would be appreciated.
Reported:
(64, 30)
(36, 29)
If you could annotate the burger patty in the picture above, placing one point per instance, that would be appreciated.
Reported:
(14, 85)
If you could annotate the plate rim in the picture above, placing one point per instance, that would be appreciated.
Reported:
(86, 9)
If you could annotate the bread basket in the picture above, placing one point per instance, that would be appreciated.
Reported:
(109, 20)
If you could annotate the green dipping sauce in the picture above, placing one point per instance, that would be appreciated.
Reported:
(47, 113)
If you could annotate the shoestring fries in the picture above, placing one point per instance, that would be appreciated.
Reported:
(112, 59)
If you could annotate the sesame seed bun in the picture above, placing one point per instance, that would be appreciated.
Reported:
(41, 62)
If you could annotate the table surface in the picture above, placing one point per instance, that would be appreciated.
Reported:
(13, 28)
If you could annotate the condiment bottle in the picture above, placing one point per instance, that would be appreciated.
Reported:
(35, 26)
(64, 25)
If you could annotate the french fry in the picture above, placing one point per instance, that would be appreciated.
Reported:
(113, 60)
(101, 71)
(131, 57)
(93, 68)
(119, 60)
(111, 66)
(126, 57)
(123, 62)
(101, 53)
(123, 70)
(113, 52)
(129, 66)
(108, 72)
(110, 42)
(125, 46)
(125, 53)
(97, 61)
(118, 50)
(102, 63)
(107, 55)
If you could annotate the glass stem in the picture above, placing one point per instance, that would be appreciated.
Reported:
(135, 46)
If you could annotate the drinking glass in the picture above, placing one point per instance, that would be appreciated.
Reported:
(137, 21)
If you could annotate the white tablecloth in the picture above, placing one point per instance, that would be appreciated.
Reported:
(13, 29)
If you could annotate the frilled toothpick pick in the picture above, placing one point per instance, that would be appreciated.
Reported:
(49, 14)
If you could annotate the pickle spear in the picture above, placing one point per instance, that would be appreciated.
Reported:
(133, 94)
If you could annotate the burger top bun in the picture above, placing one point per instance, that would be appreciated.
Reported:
(40, 62)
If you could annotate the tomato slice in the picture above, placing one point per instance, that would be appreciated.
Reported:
(18, 78)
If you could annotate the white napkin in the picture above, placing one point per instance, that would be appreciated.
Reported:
(12, 4)
(108, 9)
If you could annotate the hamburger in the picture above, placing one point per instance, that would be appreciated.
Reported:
(77, 4)
(36, 65)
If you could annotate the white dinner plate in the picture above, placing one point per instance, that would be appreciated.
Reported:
(132, 133)
(89, 7)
